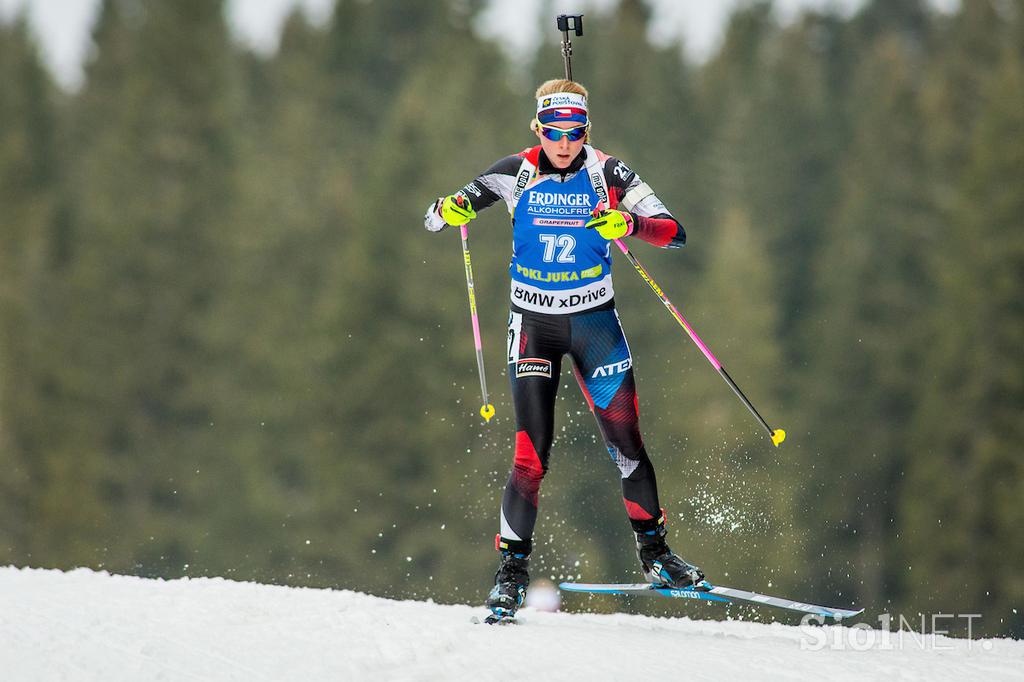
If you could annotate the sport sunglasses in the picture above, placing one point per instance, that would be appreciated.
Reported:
(555, 134)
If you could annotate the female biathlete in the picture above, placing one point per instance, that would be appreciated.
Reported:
(567, 201)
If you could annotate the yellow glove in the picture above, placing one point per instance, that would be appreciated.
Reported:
(457, 210)
(611, 224)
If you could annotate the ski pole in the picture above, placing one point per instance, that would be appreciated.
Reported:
(487, 410)
(777, 435)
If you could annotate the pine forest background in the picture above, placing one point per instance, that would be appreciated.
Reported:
(228, 347)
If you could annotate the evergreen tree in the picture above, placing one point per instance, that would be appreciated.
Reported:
(287, 235)
(962, 504)
(797, 131)
(28, 229)
(869, 328)
(741, 509)
(413, 368)
(152, 181)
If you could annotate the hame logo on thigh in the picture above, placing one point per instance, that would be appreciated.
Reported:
(533, 367)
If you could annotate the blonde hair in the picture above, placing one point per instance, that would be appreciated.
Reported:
(560, 85)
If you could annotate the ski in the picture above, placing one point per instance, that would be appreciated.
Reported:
(707, 592)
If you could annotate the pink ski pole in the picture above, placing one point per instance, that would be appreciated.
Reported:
(777, 435)
(487, 410)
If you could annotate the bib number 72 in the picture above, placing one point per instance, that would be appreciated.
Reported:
(564, 242)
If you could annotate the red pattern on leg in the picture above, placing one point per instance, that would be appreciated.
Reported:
(527, 471)
(635, 511)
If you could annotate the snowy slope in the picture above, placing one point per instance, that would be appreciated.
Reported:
(83, 625)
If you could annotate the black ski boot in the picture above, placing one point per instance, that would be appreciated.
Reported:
(510, 581)
(662, 566)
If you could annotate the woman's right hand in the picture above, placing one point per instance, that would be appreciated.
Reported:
(457, 210)
(432, 219)
(454, 209)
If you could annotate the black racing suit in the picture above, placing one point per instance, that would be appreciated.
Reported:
(594, 341)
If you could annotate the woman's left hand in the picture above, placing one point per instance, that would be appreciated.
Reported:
(611, 224)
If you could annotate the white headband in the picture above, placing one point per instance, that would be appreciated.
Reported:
(562, 106)
(561, 99)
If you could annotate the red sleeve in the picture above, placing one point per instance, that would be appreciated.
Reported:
(658, 231)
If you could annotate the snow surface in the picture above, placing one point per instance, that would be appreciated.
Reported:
(83, 625)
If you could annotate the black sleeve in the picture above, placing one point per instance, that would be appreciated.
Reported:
(494, 183)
